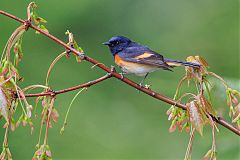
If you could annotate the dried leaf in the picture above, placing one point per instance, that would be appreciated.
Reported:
(172, 128)
(236, 116)
(4, 105)
(210, 155)
(202, 61)
(43, 152)
(195, 116)
(48, 153)
(206, 105)
(29, 110)
(39, 152)
(54, 115)
(40, 19)
(196, 73)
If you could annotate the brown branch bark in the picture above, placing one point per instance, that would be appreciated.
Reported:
(148, 91)
(53, 93)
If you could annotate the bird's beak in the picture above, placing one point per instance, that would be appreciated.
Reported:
(106, 43)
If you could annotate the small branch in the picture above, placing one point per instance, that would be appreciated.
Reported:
(11, 16)
(225, 124)
(52, 64)
(114, 74)
(88, 84)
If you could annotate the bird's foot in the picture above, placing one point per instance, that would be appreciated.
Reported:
(113, 69)
(144, 85)
(122, 75)
(147, 86)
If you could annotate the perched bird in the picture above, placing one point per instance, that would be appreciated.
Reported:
(135, 58)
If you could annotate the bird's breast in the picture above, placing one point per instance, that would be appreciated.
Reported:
(135, 68)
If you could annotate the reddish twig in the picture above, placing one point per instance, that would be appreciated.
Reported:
(88, 84)
(117, 75)
(11, 16)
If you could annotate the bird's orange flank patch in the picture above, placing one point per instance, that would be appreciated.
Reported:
(118, 60)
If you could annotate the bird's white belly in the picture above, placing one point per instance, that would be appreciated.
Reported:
(138, 69)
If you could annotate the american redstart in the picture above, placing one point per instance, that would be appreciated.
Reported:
(135, 58)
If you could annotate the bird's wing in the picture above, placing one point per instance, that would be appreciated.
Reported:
(143, 55)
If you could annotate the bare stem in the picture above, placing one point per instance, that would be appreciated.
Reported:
(5, 143)
(188, 154)
(52, 64)
(48, 119)
(29, 11)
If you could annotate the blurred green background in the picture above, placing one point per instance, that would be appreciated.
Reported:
(113, 121)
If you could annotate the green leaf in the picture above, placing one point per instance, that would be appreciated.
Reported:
(78, 59)
(38, 21)
(43, 28)
(80, 49)
(41, 20)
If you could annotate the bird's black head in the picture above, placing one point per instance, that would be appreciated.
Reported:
(117, 44)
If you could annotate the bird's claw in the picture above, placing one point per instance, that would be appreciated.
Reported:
(147, 86)
(113, 69)
(122, 76)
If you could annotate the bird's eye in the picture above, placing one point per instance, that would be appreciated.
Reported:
(117, 42)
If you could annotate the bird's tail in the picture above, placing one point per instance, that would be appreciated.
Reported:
(174, 63)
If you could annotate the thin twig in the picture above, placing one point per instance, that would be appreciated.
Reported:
(48, 120)
(51, 66)
(116, 75)
(188, 154)
(88, 84)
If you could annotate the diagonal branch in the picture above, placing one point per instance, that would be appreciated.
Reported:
(148, 91)
(88, 84)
